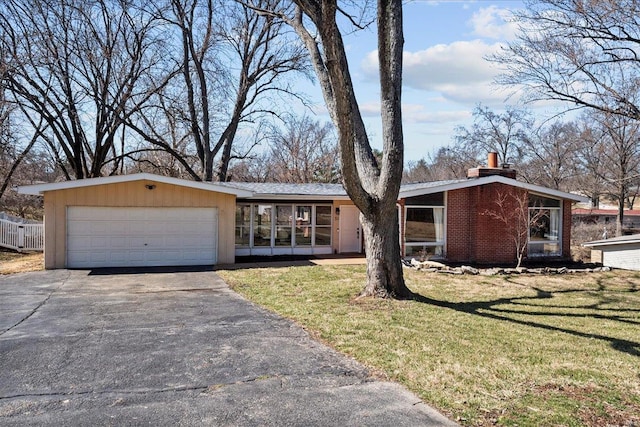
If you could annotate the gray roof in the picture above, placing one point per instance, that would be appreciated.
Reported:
(275, 191)
(280, 190)
(621, 240)
(428, 185)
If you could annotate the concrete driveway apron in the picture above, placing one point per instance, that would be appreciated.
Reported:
(174, 348)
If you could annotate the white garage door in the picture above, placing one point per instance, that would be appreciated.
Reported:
(136, 237)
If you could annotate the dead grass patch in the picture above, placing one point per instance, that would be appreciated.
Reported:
(16, 262)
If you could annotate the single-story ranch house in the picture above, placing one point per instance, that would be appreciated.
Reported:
(150, 220)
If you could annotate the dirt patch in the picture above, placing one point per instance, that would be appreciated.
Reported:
(15, 262)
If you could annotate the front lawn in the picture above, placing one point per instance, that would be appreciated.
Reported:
(509, 350)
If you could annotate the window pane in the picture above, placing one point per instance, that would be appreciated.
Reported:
(434, 199)
(424, 225)
(262, 225)
(323, 215)
(303, 225)
(323, 236)
(243, 224)
(545, 224)
(544, 232)
(543, 249)
(283, 225)
(536, 201)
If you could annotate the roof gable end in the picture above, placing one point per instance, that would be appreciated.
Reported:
(438, 186)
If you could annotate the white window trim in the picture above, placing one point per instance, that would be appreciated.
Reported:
(531, 243)
(442, 242)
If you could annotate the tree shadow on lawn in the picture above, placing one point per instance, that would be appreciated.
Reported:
(491, 310)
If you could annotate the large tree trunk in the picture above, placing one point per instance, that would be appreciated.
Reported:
(373, 187)
(384, 271)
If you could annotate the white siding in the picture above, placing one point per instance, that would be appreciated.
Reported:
(622, 256)
(135, 237)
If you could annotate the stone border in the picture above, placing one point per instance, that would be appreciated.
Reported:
(437, 267)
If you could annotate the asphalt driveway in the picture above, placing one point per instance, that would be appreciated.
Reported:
(78, 348)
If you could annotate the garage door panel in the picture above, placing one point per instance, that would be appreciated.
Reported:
(121, 237)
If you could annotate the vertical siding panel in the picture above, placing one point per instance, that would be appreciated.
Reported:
(61, 229)
(50, 230)
(226, 223)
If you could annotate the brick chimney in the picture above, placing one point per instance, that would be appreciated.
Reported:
(492, 168)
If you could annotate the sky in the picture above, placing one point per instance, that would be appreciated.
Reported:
(445, 74)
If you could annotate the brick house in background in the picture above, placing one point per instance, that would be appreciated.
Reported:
(151, 220)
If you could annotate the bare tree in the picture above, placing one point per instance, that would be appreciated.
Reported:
(417, 171)
(549, 156)
(493, 132)
(253, 168)
(580, 52)
(620, 154)
(304, 151)
(373, 186)
(235, 67)
(83, 67)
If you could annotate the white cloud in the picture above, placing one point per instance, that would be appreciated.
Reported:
(370, 109)
(457, 71)
(493, 22)
(418, 113)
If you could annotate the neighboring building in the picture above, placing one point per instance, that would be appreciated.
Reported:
(146, 220)
(608, 217)
(618, 252)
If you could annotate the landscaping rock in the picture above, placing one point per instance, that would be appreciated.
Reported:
(426, 264)
(469, 270)
(437, 267)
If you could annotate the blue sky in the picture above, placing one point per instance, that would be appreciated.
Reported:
(445, 75)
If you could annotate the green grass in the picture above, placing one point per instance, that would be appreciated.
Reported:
(513, 350)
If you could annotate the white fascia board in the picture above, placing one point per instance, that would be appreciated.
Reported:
(38, 189)
(602, 243)
(289, 197)
(493, 179)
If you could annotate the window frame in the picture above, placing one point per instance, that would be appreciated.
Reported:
(438, 246)
(557, 240)
(275, 226)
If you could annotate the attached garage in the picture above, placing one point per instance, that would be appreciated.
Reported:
(137, 220)
(135, 237)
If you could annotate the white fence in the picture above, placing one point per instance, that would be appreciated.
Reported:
(21, 237)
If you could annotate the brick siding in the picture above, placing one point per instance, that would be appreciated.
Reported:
(474, 236)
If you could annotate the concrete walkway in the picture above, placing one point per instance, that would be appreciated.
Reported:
(268, 262)
(83, 348)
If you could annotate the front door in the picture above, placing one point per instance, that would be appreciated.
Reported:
(350, 230)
